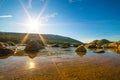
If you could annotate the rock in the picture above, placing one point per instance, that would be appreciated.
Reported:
(100, 42)
(31, 55)
(119, 47)
(81, 54)
(2, 44)
(105, 46)
(91, 46)
(65, 45)
(98, 46)
(5, 51)
(55, 45)
(76, 45)
(115, 50)
(80, 49)
(33, 46)
(99, 51)
(4, 56)
(10, 43)
(112, 45)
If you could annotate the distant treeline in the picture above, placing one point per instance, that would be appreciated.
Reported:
(49, 38)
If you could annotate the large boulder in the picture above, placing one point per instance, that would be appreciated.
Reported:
(113, 45)
(5, 51)
(80, 49)
(33, 46)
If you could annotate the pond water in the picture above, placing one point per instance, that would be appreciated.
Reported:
(60, 64)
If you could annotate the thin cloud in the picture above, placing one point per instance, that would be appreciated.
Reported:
(47, 17)
(6, 16)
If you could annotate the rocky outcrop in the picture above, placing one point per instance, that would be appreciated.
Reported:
(112, 45)
(91, 45)
(33, 46)
(65, 45)
(80, 49)
(100, 42)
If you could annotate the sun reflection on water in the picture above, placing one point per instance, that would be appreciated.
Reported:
(31, 65)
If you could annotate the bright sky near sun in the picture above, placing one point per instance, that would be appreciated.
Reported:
(84, 20)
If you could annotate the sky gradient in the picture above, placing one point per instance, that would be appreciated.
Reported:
(84, 20)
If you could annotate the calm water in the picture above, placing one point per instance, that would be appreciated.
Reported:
(60, 64)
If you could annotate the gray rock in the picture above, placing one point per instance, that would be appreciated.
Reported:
(99, 51)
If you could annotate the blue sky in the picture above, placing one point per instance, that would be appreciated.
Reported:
(84, 20)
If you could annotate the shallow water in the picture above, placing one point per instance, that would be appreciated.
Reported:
(60, 64)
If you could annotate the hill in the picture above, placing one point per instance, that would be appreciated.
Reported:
(49, 38)
(100, 42)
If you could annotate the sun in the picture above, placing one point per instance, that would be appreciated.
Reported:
(32, 26)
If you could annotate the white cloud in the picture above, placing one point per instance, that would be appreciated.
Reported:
(47, 17)
(6, 16)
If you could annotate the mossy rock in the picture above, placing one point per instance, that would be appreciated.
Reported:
(33, 46)
(5, 51)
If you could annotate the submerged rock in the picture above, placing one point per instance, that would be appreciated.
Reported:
(99, 51)
(80, 49)
(33, 46)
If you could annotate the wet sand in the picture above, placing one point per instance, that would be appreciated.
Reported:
(61, 64)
